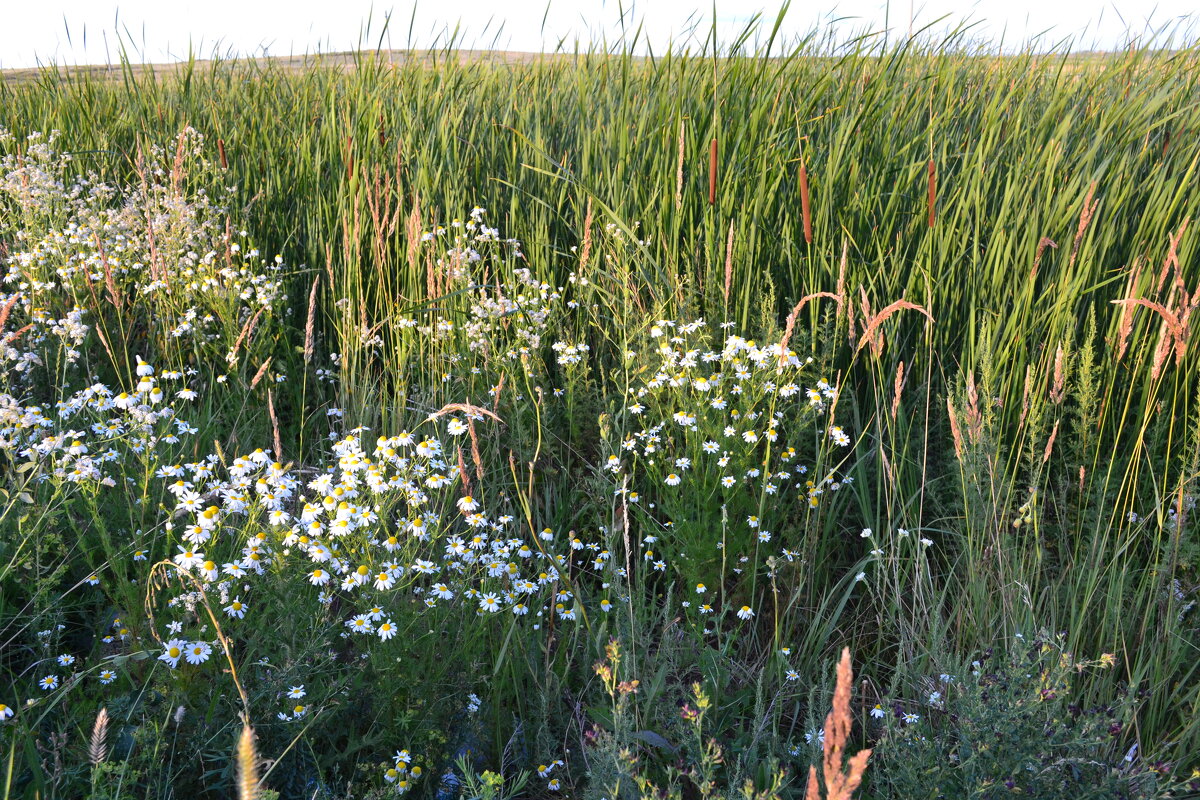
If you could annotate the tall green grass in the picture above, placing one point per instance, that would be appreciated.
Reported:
(1014, 198)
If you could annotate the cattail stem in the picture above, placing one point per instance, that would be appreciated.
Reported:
(712, 172)
(932, 193)
(221, 153)
(805, 208)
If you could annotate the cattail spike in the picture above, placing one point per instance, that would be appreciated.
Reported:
(805, 208)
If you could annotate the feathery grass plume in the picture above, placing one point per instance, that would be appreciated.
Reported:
(221, 153)
(932, 193)
(247, 331)
(897, 388)
(110, 284)
(98, 746)
(840, 778)
(247, 764)
(1043, 243)
(974, 417)
(7, 308)
(1126, 325)
(729, 262)
(1025, 395)
(1050, 443)
(1085, 218)
(872, 332)
(712, 172)
(261, 371)
(1056, 390)
(805, 208)
(955, 431)
(310, 323)
(679, 168)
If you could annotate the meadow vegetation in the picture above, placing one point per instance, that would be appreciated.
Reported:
(549, 428)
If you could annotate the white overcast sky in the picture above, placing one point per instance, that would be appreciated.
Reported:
(89, 31)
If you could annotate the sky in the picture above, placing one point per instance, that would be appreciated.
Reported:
(92, 31)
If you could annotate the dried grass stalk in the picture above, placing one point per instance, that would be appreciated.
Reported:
(729, 262)
(932, 200)
(805, 208)
(261, 371)
(712, 172)
(310, 323)
(679, 169)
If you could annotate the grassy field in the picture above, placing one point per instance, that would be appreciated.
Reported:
(509, 426)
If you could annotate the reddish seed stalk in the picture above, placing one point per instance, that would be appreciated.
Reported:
(712, 172)
(932, 193)
(804, 206)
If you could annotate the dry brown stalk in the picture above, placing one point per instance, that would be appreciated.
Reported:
(712, 172)
(465, 408)
(496, 394)
(729, 262)
(805, 208)
(98, 746)
(1028, 391)
(841, 778)
(349, 158)
(261, 371)
(585, 252)
(274, 423)
(310, 324)
(475, 457)
(221, 153)
(791, 321)
(463, 474)
(1085, 218)
(412, 231)
(932, 200)
(679, 169)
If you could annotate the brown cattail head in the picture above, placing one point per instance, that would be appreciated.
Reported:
(932, 200)
(712, 172)
(221, 153)
(805, 208)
